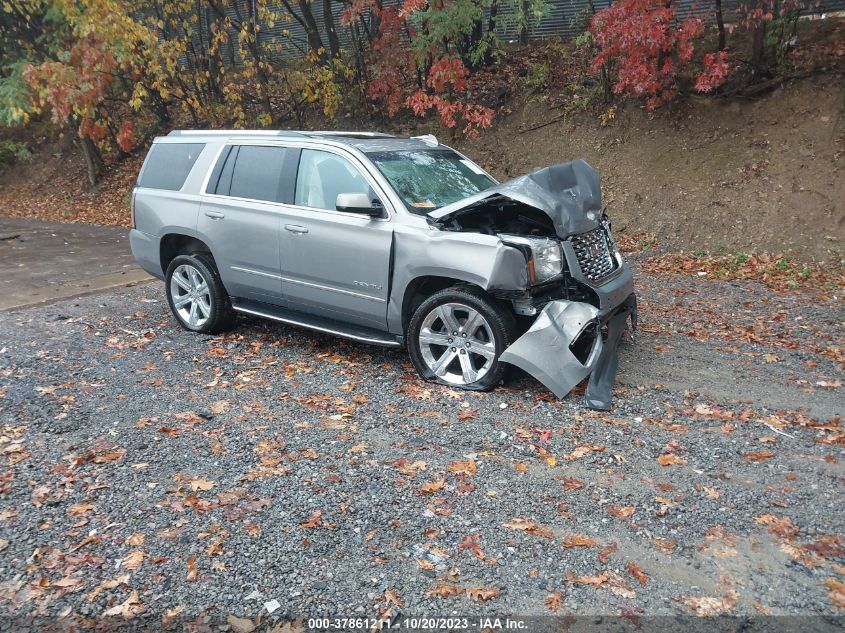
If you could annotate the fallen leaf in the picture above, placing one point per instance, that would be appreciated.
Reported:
(107, 584)
(193, 574)
(79, 510)
(201, 484)
(605, 553)
(579, 540)
(637, 572)
(169, 617)
(583, 450)
(621, 512)
(133, 560)
(759, 457)
(135, 540)
(128, 609)
(530, 527)
(445, 590)
(553, 601)
(837, 591)
(214, 548)
(482, 594)
(466, 467)
(708, 605)
(358, 448)
(433, 486)
(570, 483)
(670, 458)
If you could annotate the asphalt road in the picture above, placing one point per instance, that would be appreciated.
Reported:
(47, 261)
(155, 475)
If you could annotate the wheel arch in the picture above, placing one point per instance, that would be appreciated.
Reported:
(421, 288)
(172, 245)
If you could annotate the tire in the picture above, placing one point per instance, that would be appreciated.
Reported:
(208, 311)
(472, 363)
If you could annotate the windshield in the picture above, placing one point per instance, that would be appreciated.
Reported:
(428, 179)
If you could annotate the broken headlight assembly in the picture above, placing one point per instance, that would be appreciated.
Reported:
(544, 256)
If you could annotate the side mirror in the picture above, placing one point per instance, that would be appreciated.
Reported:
(358, 203)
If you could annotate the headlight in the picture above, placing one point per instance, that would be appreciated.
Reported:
(546, 256)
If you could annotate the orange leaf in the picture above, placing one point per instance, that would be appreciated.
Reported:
(670, 458)
(193, 574)
(836, 593)
(759, 457)
(433, 486)
(621, 512)
(579, 540)
(445, 590)
(553, 601)
(482, 594)
(467, 467)
(637, 572)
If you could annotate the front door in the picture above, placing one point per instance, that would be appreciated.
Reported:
(335, 264)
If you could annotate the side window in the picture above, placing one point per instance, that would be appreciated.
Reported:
(257, 173)
(322, 176)
(168, 165)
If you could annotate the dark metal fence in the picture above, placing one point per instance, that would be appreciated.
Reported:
(564, 19)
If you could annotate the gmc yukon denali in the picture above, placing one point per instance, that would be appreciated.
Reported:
(390, 241)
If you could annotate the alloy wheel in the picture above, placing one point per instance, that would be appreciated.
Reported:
(191, 295)
(457, 344)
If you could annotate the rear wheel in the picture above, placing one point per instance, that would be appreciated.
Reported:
(456, 336)
(196, 295)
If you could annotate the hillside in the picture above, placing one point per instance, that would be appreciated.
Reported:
(750, 175)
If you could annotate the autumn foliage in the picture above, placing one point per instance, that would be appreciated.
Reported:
(647, 46)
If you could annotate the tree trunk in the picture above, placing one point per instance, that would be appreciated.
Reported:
(328, 19)
(310, 24)
(92, 160)
(758, 45)
(523, 22)
(720, 24)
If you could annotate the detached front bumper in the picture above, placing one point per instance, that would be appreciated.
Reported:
(564, 345)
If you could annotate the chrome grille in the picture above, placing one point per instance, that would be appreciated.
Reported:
(593, 253)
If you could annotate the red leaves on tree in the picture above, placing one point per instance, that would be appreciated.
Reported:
(647, 46)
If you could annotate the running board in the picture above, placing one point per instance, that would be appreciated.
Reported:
(320, 324)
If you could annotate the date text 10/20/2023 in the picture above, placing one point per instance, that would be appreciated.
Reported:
(416, 624)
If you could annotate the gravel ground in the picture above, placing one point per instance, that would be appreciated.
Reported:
(150, 474)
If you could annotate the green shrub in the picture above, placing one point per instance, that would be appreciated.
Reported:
(14, 151)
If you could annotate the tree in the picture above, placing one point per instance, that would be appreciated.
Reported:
(647, 46)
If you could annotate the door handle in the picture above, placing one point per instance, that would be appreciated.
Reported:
(295, 228)
(215, 214)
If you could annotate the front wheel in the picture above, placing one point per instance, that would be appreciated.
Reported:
(456, 336)
(197, 296)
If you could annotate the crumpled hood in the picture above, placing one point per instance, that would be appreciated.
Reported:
(569, 193)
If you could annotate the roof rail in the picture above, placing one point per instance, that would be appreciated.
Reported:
(280, 133)
(235, 133)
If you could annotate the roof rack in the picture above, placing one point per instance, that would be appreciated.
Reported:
(348, 134)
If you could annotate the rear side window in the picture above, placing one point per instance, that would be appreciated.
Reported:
(258, 173)
(169, 164)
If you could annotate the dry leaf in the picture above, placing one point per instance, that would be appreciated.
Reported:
(107, 584)
(637, 572)
(837, 591)
(79, 510)
(759, 457)
(466, 467)
(670, 458)
(445, 590)
(169, 617)
(433, 486)
(707, 605)
(215, 548)
(621, 512)
(128, 609)
(553, 601)
(135, 540)
(583, 450)
(579, 540)
(193, 574)
(482, 594)
(530, 527)
(201, 484)
(133, 560)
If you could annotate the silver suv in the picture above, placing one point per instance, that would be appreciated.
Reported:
(390, 241)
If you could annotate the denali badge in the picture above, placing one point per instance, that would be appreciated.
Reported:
(364, 284)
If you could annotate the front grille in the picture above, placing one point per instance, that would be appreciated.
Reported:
(593, 253)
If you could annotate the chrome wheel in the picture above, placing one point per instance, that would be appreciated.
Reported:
(191, 296)
(457, 344)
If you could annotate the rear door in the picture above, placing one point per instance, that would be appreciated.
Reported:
(335, 264)
(241, 218)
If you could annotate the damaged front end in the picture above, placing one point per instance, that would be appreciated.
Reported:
(579, 288)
